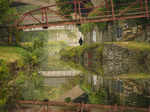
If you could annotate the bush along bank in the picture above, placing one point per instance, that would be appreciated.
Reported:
(20, 79)
(109, 59)
(86, 58)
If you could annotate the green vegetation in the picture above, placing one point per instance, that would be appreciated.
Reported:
(94, 97)
(54, 93)
(77, 57)
(84, 28)
(134, 76)
(88, 58)
(68, 100)
(20, 66)
(138, 46)
(54, 62)
(9, 33)
(66, 7)
(19, 74)
(11, 54)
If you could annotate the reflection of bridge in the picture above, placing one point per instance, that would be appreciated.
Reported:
(49, 16)
(72, 107)
(59, 74)
(57, 78)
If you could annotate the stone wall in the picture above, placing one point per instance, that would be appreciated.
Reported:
(119, 60)
(129, 32)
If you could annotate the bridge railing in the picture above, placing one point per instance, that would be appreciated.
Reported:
(79, 107)
(47, 16)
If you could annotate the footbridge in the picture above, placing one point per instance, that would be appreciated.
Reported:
(51, 16)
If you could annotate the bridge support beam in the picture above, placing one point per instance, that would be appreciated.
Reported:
(75, 8)
(113, 11)
(79, 10)
(146, 7)
(106, 4)
(141, 4)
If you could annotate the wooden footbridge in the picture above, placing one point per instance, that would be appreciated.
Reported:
(50, 16)
(49, 106)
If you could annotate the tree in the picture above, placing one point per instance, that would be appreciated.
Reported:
(66, 7)
(8, 17)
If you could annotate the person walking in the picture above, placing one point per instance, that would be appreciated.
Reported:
(80, 41)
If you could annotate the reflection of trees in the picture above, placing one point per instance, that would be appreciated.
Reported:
(128, 92)
(135, 93)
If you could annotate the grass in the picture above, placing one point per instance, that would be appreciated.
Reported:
(141, 46)
(11, 54)
(132, 76)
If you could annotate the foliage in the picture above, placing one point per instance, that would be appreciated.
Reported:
(66, 7)
(11, 54)
(38, 52)
(95, 97)
(134, 76)
(72, 52)
(4, 6)
(17, 78)
(21, 78)
(31, 86)
(6, 11)
(32, 35)
(4, 79)
(137, 46)
(84, 28)
(101, 11)
(54, 62)
(8, 18)
(68, 100)
(98, 97)
(75, 57)
(70, 83)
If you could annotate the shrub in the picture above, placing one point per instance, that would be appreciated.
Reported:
(68, 100)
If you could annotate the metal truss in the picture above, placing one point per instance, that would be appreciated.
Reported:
(50, 16)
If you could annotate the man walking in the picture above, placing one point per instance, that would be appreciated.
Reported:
(80, 41)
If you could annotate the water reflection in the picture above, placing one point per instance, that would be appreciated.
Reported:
(124, 91)
(101, 65)
(110, 91)
(99, 82)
